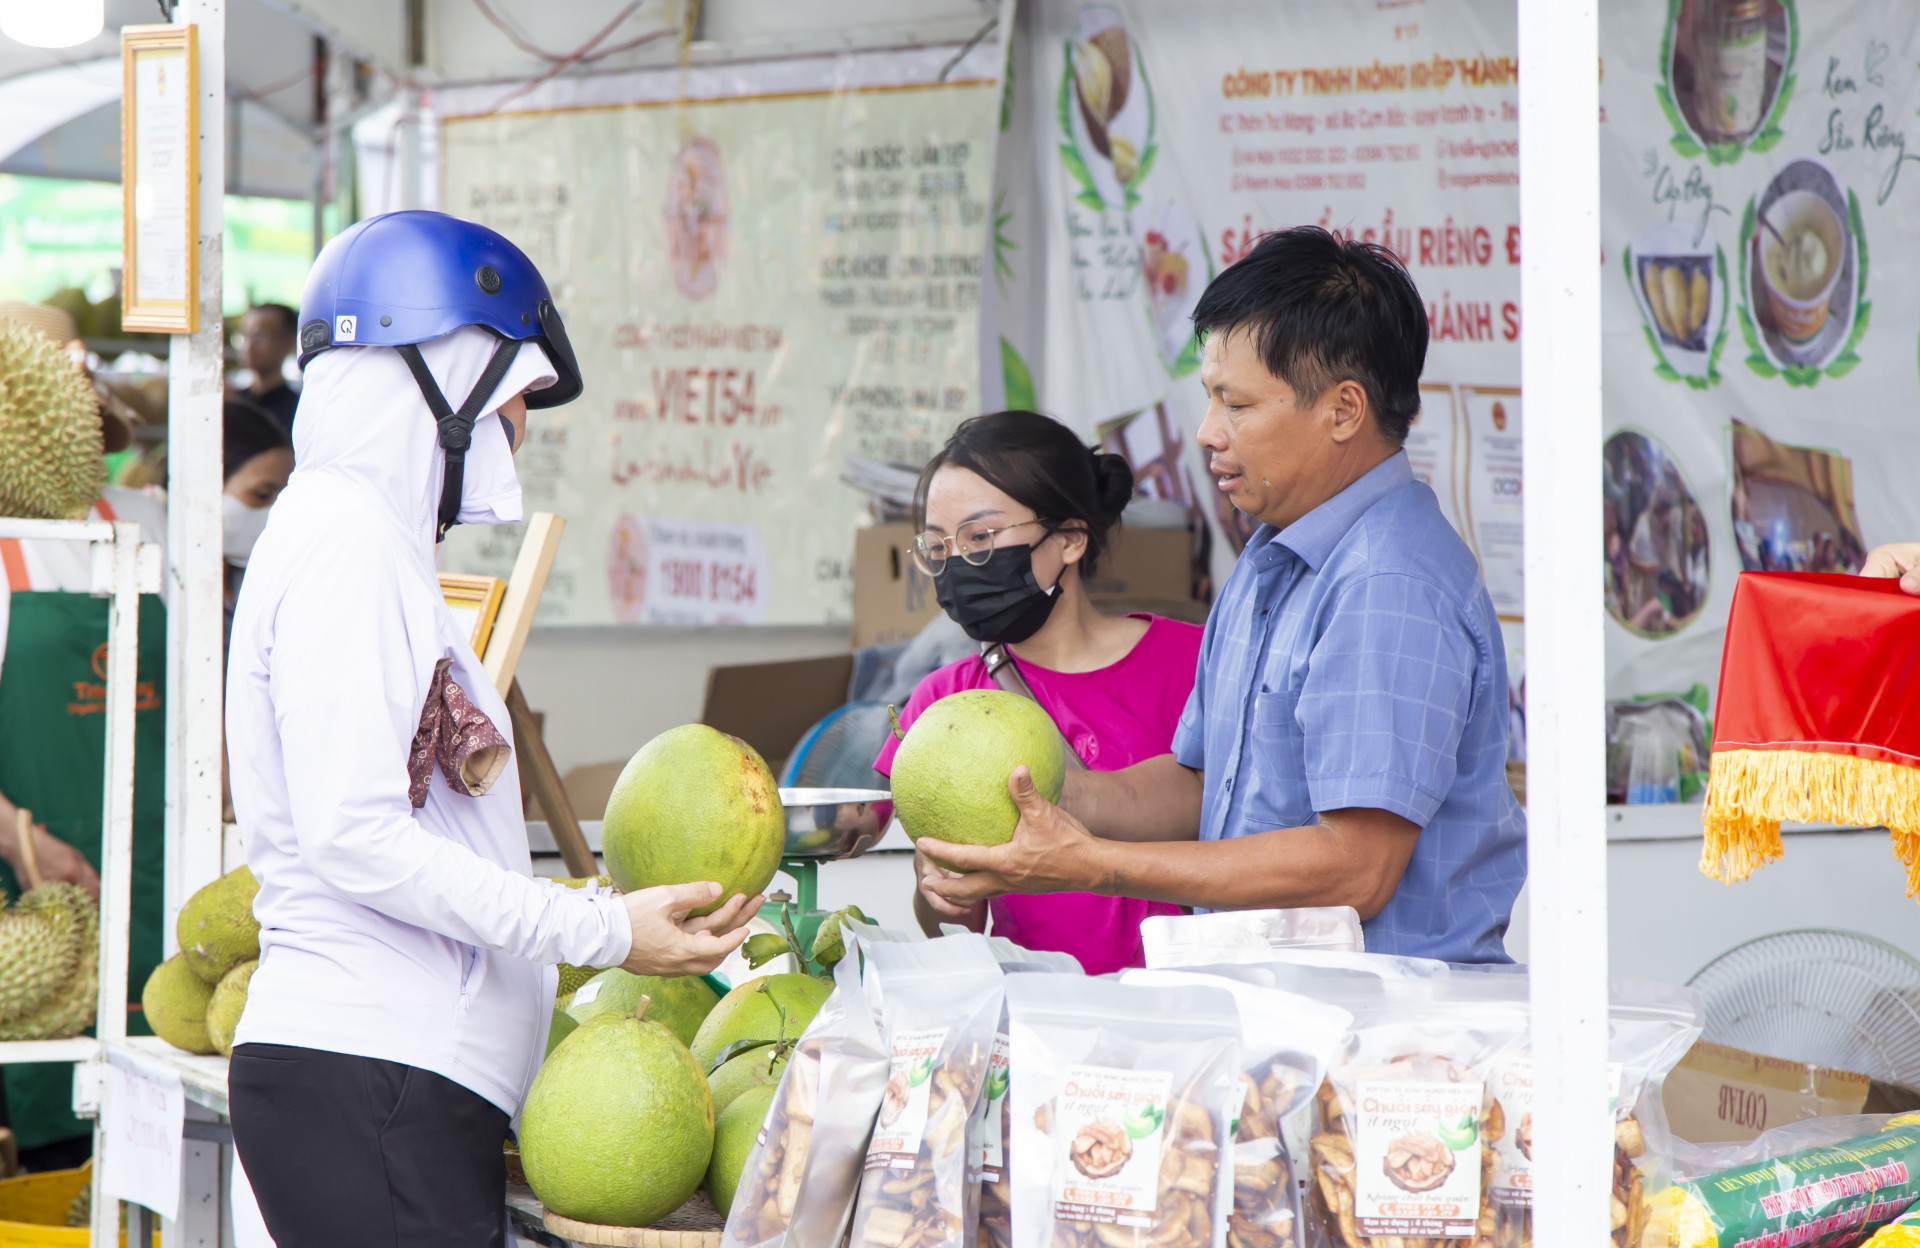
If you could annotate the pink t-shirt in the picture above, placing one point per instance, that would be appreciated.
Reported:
(1114, 717)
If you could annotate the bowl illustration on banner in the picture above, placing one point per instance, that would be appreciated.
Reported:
(697, 211)
(627, 562)
(1802, 266)
(1658, 556)
(1106, 113)
(1727, 61)
(1173, 261)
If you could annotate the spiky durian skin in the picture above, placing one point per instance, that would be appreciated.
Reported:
(57, 929)
(51, 465)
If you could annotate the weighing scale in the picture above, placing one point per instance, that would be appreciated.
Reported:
(823, 825)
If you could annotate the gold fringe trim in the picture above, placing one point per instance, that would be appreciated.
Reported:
(1749, 792)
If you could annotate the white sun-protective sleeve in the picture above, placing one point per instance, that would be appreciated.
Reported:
(345, 728)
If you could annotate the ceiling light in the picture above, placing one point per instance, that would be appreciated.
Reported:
(52, 23)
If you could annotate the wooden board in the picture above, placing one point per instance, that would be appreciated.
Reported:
(524, 587)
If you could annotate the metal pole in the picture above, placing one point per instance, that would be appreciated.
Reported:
(1566, 790)
(196, 368)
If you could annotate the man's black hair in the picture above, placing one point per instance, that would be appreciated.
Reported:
(1322, 311)
(288, 318)
(247, 430)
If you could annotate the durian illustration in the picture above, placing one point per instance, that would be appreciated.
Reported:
(48, 974)
(51, 465)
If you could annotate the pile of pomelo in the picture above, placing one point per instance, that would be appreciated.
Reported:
(619, 1128)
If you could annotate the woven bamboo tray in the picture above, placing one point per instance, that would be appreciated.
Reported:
(696, 1224)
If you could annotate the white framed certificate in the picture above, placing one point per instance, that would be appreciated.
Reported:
(159, 178)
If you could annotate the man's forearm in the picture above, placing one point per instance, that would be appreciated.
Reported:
(1158, 800)
(1310, 866)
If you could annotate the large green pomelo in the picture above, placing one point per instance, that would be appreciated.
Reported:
(694, 805)
(175, 1003)
(618, 1126)
(733, 1137)
(771, 1007)
(756, 1068)
(680, 1003)
(216, 930)
(224, 1008)
(950, 774)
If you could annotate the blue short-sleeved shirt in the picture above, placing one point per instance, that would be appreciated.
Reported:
(1354, 659)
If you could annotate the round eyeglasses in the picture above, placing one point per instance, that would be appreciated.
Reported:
(973, 543)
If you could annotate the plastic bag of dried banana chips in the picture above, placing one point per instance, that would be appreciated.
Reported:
(1285, 1041)
(989, 1150)
(797, 1186)
(942, 1001)
(1122, 1104)
(1229, 936)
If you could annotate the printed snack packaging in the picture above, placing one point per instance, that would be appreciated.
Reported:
(1285, 1041)
(989, 1152)
(798, 1182)
(1424, 1123)
(1823, 1183)
(942, 1005)
(1122, 1105)
(1230, 936)
(1902, 1232)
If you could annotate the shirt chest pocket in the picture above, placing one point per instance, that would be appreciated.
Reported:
(1276, 767)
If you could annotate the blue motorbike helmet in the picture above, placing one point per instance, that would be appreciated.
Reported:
(404, 278)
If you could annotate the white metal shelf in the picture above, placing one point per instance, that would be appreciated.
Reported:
(56, 530)
(78, 1049)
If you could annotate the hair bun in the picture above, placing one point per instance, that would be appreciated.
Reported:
(1112, 484)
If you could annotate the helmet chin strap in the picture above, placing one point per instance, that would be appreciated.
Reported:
(456, 428)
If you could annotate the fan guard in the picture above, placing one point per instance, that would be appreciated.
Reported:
(1829, 998)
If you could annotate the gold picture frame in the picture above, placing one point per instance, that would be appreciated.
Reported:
(160, 179)
(476, 595)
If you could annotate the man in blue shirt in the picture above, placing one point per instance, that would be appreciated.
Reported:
(1346, 740)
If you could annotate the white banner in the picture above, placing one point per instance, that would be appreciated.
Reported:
(146, 1113)
(763, 267)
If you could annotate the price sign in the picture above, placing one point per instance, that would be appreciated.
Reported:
(145, 1116)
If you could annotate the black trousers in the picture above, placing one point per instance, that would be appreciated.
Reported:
(357, 1151)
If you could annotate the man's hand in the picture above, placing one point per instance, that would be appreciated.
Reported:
(1901, 559)
(668, 942)
(59, 862)
(1051, 852)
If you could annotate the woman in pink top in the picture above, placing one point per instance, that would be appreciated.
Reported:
(1017, 513)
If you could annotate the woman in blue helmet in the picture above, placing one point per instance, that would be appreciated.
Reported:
(400, 1006)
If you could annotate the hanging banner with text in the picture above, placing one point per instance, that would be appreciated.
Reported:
(778, 270)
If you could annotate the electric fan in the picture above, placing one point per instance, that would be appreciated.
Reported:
(1829, 998)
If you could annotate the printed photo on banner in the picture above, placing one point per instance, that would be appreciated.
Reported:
(1659, 572)
(1793, 507)
(1729, 74)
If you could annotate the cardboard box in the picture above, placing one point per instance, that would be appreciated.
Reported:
(770, 706)
(1721, 1093)
(893, 599)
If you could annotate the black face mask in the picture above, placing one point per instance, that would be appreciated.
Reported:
(998, 601)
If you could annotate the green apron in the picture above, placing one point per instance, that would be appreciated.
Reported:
(53, 697)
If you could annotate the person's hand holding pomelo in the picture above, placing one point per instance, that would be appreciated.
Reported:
(1048, 854)
(668, 939)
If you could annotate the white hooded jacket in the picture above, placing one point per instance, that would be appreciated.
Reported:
(417, 936)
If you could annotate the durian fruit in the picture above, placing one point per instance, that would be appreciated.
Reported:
(216, 929)
(49, 976)
(224, 1009)
(51, 465)
(572, 977)
(175, 1002)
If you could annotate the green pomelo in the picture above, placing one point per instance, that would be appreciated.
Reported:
(757, 1068)
(733, 1137)
(950, 774)
(225, 1006)
(772, 1007)
(680, 1003)
(175, 1002)
(561, 1027)
(216, 929)
(618, 1126)
(694, 805)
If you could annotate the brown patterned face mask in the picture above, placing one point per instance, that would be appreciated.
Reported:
(453, 733)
